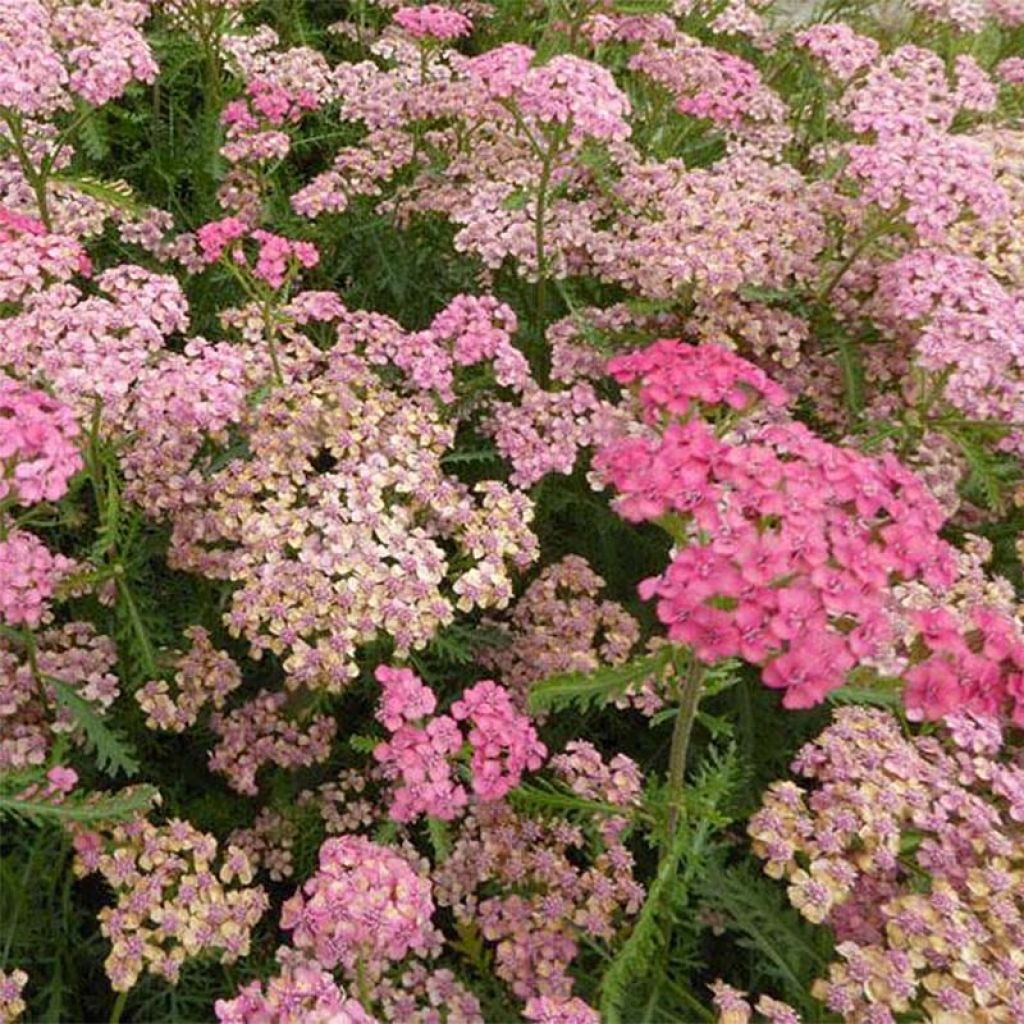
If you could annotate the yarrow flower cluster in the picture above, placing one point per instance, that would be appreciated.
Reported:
(11, 1003)
(880, 813)
(552, 890)
(364, 909)
(172, 904)
(277, 259)
(423, 747)
(73, 656)
(432, 21)
(204, 676)
(561, 624)
(38, 444)
(788, 547)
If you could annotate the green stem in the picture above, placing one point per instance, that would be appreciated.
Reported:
(363, 986)
(688, 703)
(115, 1013)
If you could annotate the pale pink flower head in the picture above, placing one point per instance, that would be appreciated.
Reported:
(548, 1010)
(433, 21)
(365, 906)
(29, 575)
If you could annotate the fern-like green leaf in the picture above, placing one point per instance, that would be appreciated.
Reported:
(588, 688)
(113, 752)
(118, 194)
(88, 809)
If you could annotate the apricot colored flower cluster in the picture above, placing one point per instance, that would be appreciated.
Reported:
(204, 676)
(172, 905)
(420, 754)
(881, 813)
(333, 524)
(12, 1006)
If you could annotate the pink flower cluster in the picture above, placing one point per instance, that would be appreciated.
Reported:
(30, 715)
(259, 732)
(561, 624)
(788, 547)
(469, 331)
(535, 887)
(842, 50)
(432, 21)
(908, 849)
(419, 755)
(51, 53)
(29, 576)
(277, 259)
(365, 909)
(38, 448)
(302, 992)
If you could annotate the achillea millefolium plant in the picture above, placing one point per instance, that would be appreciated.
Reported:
(511, 511)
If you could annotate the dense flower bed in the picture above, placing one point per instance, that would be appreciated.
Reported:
(511, 511)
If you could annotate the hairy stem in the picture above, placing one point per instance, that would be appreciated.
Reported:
(688, 702)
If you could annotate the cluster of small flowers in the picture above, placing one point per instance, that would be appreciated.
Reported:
(471, 330)
(204, 676)
(551, 891)
(419, 754)
(171, 904)
(268, 843)
(277, 259)
(969, 16)
(302, 992)
(334, 522)
(914, 166)
(842, 50)
(38, 457)
(365, 909)
(997, 243)
(432, 21)
(561, 624)
(30, 715)
(12, 1006)
(258, 733)
(716, 85)
(546, 1010)
(30, 574)
(30, 256)
(619, 783)
(964, 326)
(881, 813)
(566, 93)
(745, 221)
(51, 53)
(96, 347)
(38, 448)
(733, 1008)
(343, 804)
(782, 537)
